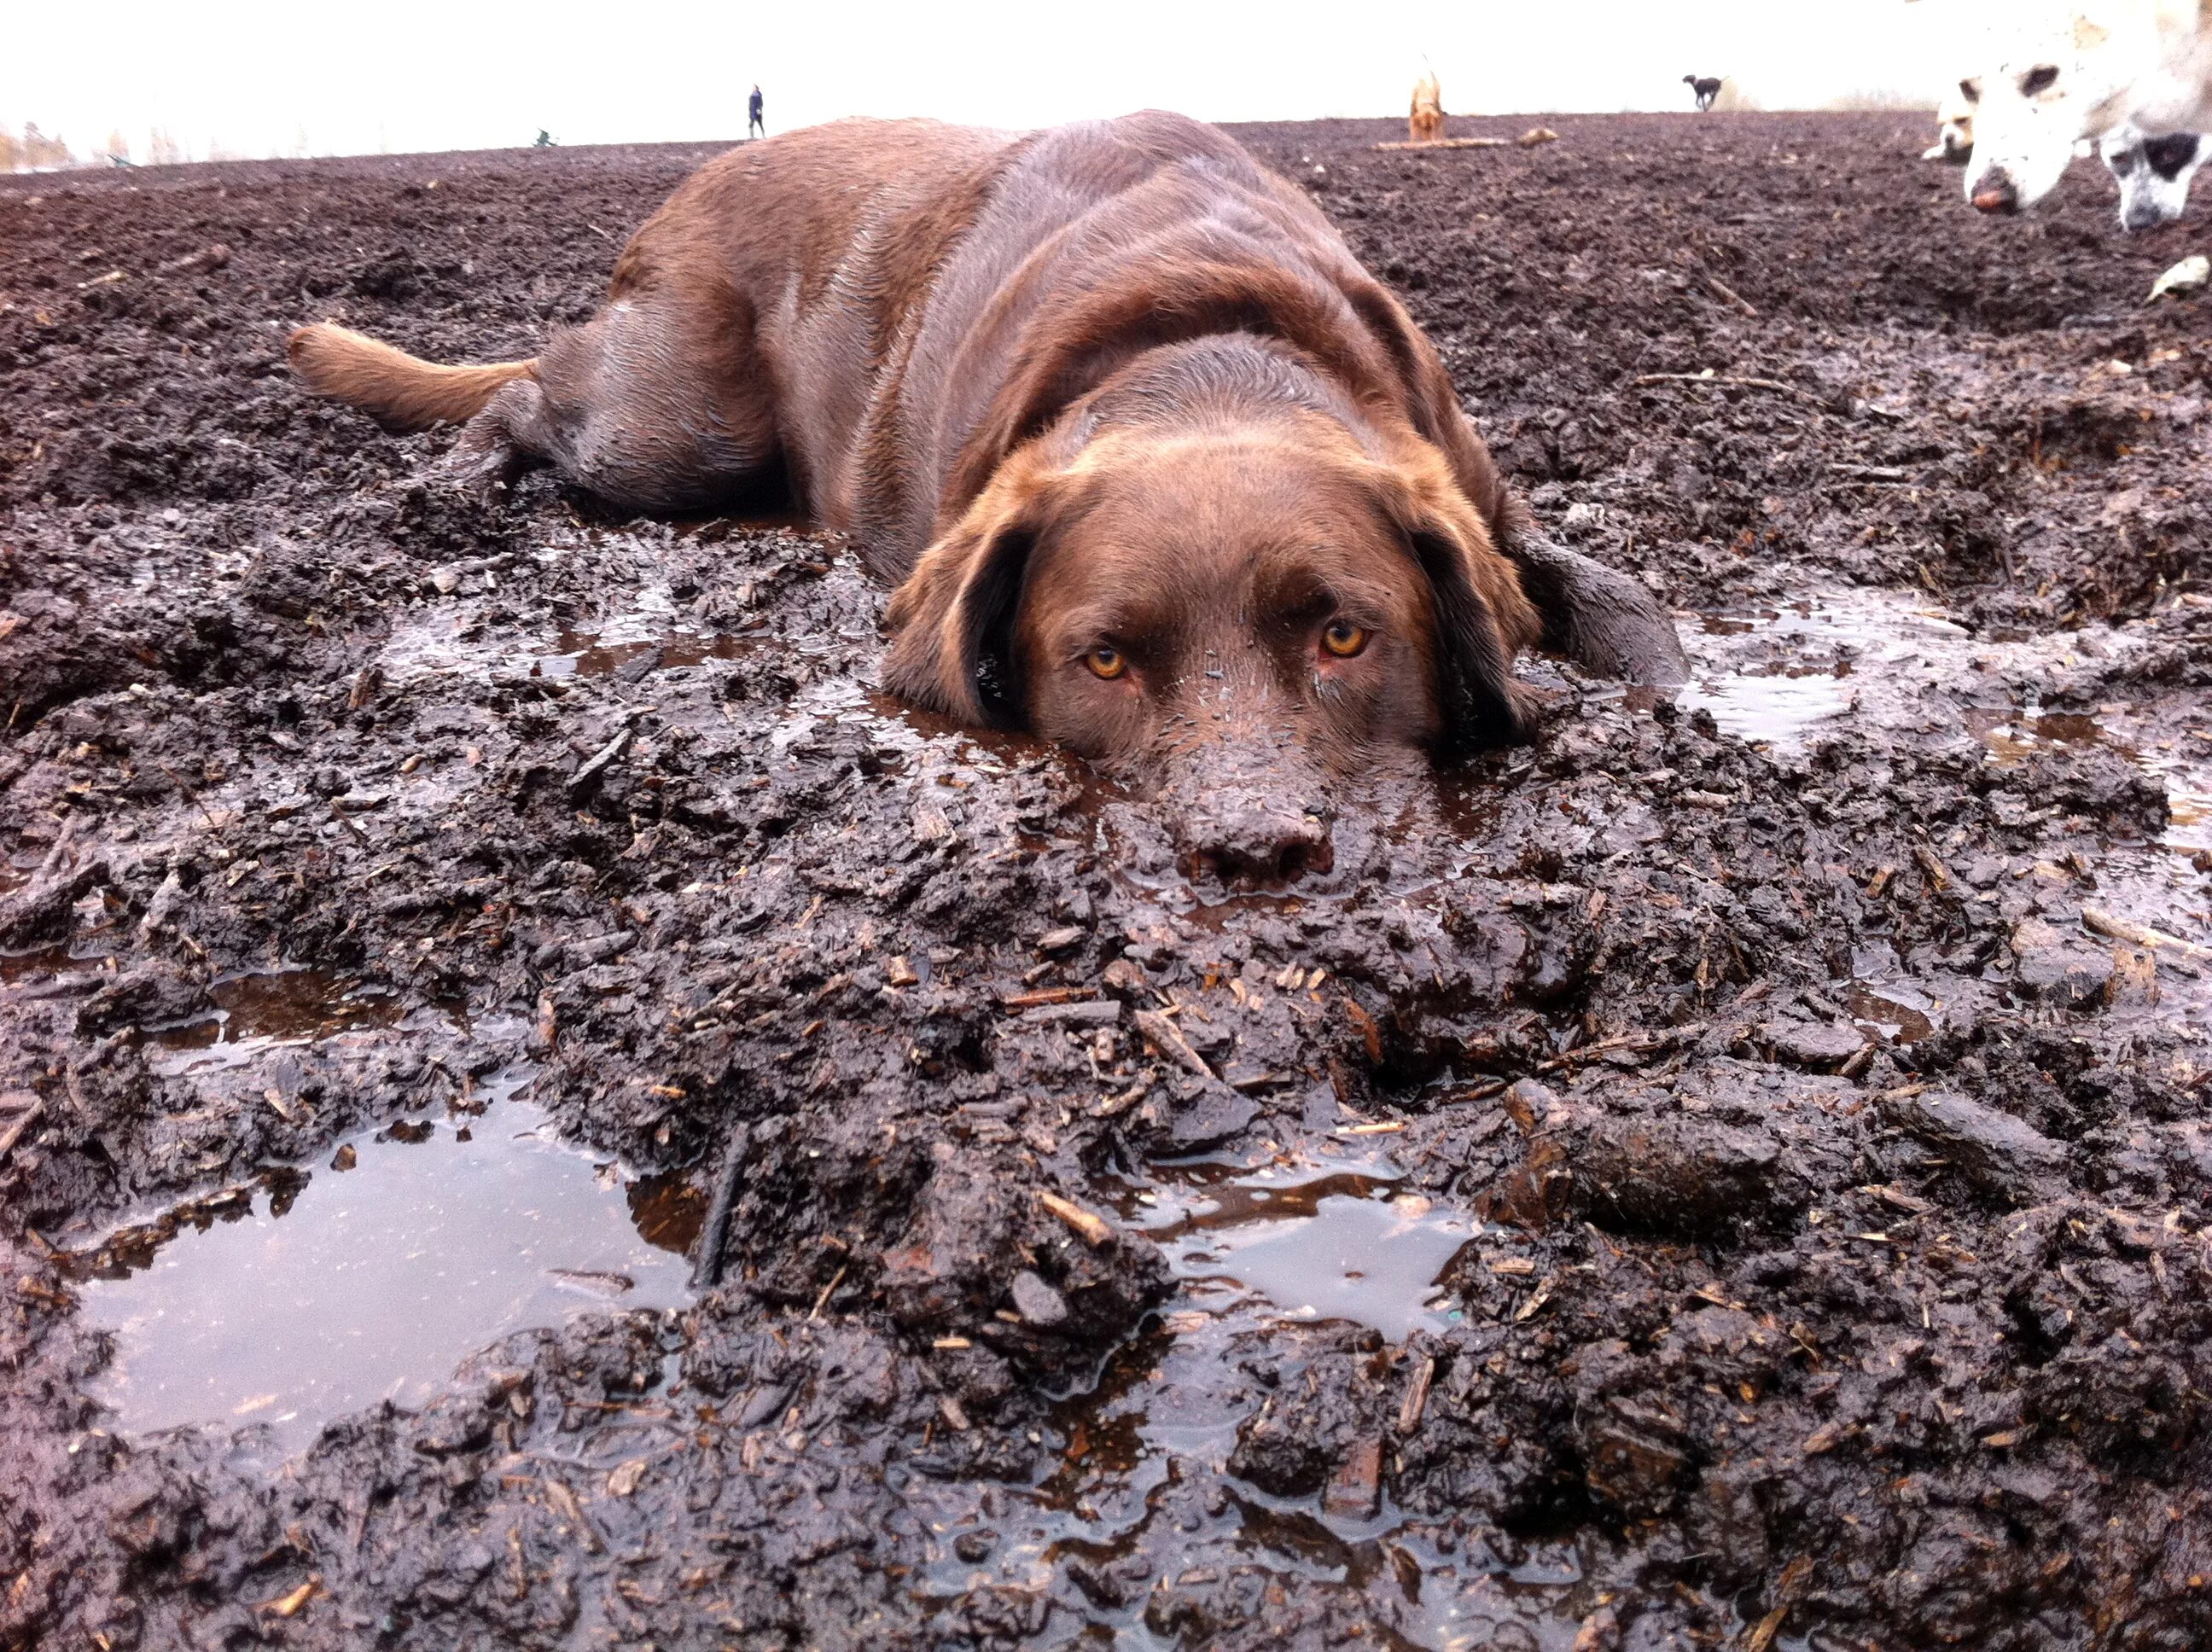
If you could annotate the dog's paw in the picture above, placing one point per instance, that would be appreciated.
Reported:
(1604, 621)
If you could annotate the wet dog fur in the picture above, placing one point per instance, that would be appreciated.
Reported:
(1156, 468)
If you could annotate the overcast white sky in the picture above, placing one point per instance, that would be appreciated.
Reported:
(257, 77)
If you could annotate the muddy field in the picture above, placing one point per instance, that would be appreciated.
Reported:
(1734, 1172)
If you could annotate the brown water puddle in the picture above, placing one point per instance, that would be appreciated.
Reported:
(1885, 1011)
(2013, 736)
(293, 1005)
(368, 1277)
(587, 654)
(42, 962)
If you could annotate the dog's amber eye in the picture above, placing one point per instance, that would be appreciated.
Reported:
(1343, 639)
(1106, 662)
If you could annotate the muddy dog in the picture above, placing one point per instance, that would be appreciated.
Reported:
(1158, 470)
(1704, 87)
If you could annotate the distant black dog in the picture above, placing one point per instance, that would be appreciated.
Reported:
(1707, 88)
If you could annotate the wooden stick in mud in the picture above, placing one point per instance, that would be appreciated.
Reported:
(707, 1270)
(1649, 378)
(2116, 928)
(1448, 143)
(13, 1134)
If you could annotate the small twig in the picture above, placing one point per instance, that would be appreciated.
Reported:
(828, 1291)
(13, 1134)
(1417, 1394)
(1160, 1033)
(2113, 927)
(1712, 379)
(1095, 1229)
(1733, 296)
(707, 1270)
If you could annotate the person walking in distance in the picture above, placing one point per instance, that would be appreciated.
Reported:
(753, 107)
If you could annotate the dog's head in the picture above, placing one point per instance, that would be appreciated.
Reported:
(1954, 131)
(1239, 618)
(2153, 173)
(2055, 77)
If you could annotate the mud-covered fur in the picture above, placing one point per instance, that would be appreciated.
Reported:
(1109, 387)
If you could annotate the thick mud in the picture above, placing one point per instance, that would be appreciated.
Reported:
(1732, 1173)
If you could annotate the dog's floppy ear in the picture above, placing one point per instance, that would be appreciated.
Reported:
(1483, 619)
(952, 648)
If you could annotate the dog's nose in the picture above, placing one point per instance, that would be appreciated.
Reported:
(1251, 841)
(1997, 193)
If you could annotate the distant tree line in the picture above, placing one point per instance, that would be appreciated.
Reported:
(33, 150)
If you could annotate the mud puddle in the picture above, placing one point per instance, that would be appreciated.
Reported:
(252, 1010)
(1893, 1012)
(1318, 1242)
(1781, 675)
(589, 654)
(2182, 759)
(1255, 1249)
(1773, 675)
(368, 1277)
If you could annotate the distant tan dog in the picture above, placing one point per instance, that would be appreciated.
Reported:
(1955, 132)
(1426, 124)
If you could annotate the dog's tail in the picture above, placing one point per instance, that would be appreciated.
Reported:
(402, 392)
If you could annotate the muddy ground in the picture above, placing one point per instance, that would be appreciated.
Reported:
(1732, 1173)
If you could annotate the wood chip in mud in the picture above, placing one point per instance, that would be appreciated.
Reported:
(597, 764)
(1417, 1393)
(2114, 927)
(289, 1606)
(23, 1121)
(1162, 1035)
(1047, 995)
(1370, 1035)
(1094, 1229)
(626, 1478)
(1355, 1491)
(1938, 875)
(1827, 1437)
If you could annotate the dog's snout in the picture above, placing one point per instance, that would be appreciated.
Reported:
(1247, 840)
(1997, 193)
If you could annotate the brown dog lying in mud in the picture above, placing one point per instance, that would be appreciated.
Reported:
(1158, 470)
